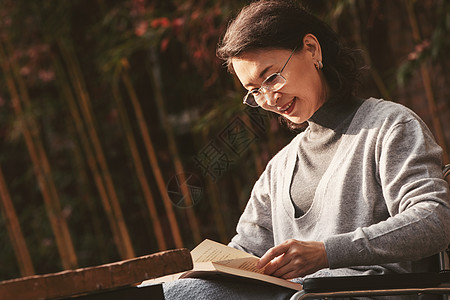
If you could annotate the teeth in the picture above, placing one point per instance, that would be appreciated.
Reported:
(283, 110)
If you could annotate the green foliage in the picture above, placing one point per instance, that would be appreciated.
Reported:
(433, 49)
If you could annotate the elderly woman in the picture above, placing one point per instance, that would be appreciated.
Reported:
(359, 191)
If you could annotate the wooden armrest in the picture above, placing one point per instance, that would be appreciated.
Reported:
(372, 282)
(108, 276)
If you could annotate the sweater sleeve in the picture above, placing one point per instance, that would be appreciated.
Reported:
(254, 229)
(417, 199)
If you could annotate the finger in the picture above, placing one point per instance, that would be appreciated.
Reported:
(291, 270)
(291, 275)
(275, 264)
(271, 254)
(282, 268)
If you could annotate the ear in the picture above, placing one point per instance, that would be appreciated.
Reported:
(312, 45)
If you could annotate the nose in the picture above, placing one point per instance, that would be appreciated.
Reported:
(272, 98)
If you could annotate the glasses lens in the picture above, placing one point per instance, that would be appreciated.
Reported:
(250, 100)
(274, 82)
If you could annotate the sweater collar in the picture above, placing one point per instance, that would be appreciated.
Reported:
(333, 113)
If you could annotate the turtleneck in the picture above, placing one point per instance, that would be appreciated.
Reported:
(317, 148)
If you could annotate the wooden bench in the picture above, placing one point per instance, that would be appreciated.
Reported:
(116, 280)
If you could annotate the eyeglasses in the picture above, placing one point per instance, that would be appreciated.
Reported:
(272, 83)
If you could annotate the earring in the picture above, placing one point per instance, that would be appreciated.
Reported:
(318, 64)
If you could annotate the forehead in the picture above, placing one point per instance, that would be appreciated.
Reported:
(259, 57)
(250, 65)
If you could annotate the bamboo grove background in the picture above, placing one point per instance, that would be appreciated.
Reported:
(121, 133)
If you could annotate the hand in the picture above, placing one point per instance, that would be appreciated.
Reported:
(293, 259)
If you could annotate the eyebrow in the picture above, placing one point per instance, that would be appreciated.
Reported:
(261, 74)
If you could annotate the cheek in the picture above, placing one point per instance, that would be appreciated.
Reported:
(307, 86)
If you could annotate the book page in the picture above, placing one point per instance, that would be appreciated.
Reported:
(248, 264)
(253, 275)
(210, 257)
(212, 251)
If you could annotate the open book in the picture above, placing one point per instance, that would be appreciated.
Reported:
(210, 257)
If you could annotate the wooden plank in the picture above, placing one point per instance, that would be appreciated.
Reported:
(85, 280)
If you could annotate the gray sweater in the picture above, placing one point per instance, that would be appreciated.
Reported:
(381, 206)
(318, 146)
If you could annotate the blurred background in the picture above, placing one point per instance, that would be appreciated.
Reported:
(122, 134)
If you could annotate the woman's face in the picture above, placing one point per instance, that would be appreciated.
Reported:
(305, 90)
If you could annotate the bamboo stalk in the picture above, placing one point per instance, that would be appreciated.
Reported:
(385, 94)
(67, 240)
(427, 83)
(159, 99)
(15, 232)
(152, 156)
(83, 186)
(217, 211)
(90, 157)
(157, 228)
(125, 247)
(58, 224)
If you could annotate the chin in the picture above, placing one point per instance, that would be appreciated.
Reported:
(296, 126)
(296, 120)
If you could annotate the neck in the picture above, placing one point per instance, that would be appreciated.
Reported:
(333, 112)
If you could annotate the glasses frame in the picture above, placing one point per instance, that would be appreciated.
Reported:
(265, 87)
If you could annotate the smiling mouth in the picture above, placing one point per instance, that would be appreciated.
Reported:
(286, 107)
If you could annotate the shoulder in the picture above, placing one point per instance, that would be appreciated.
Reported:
(384, 115)
(384, 110)
(388, 125)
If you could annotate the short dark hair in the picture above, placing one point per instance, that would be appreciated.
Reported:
(282, 24)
